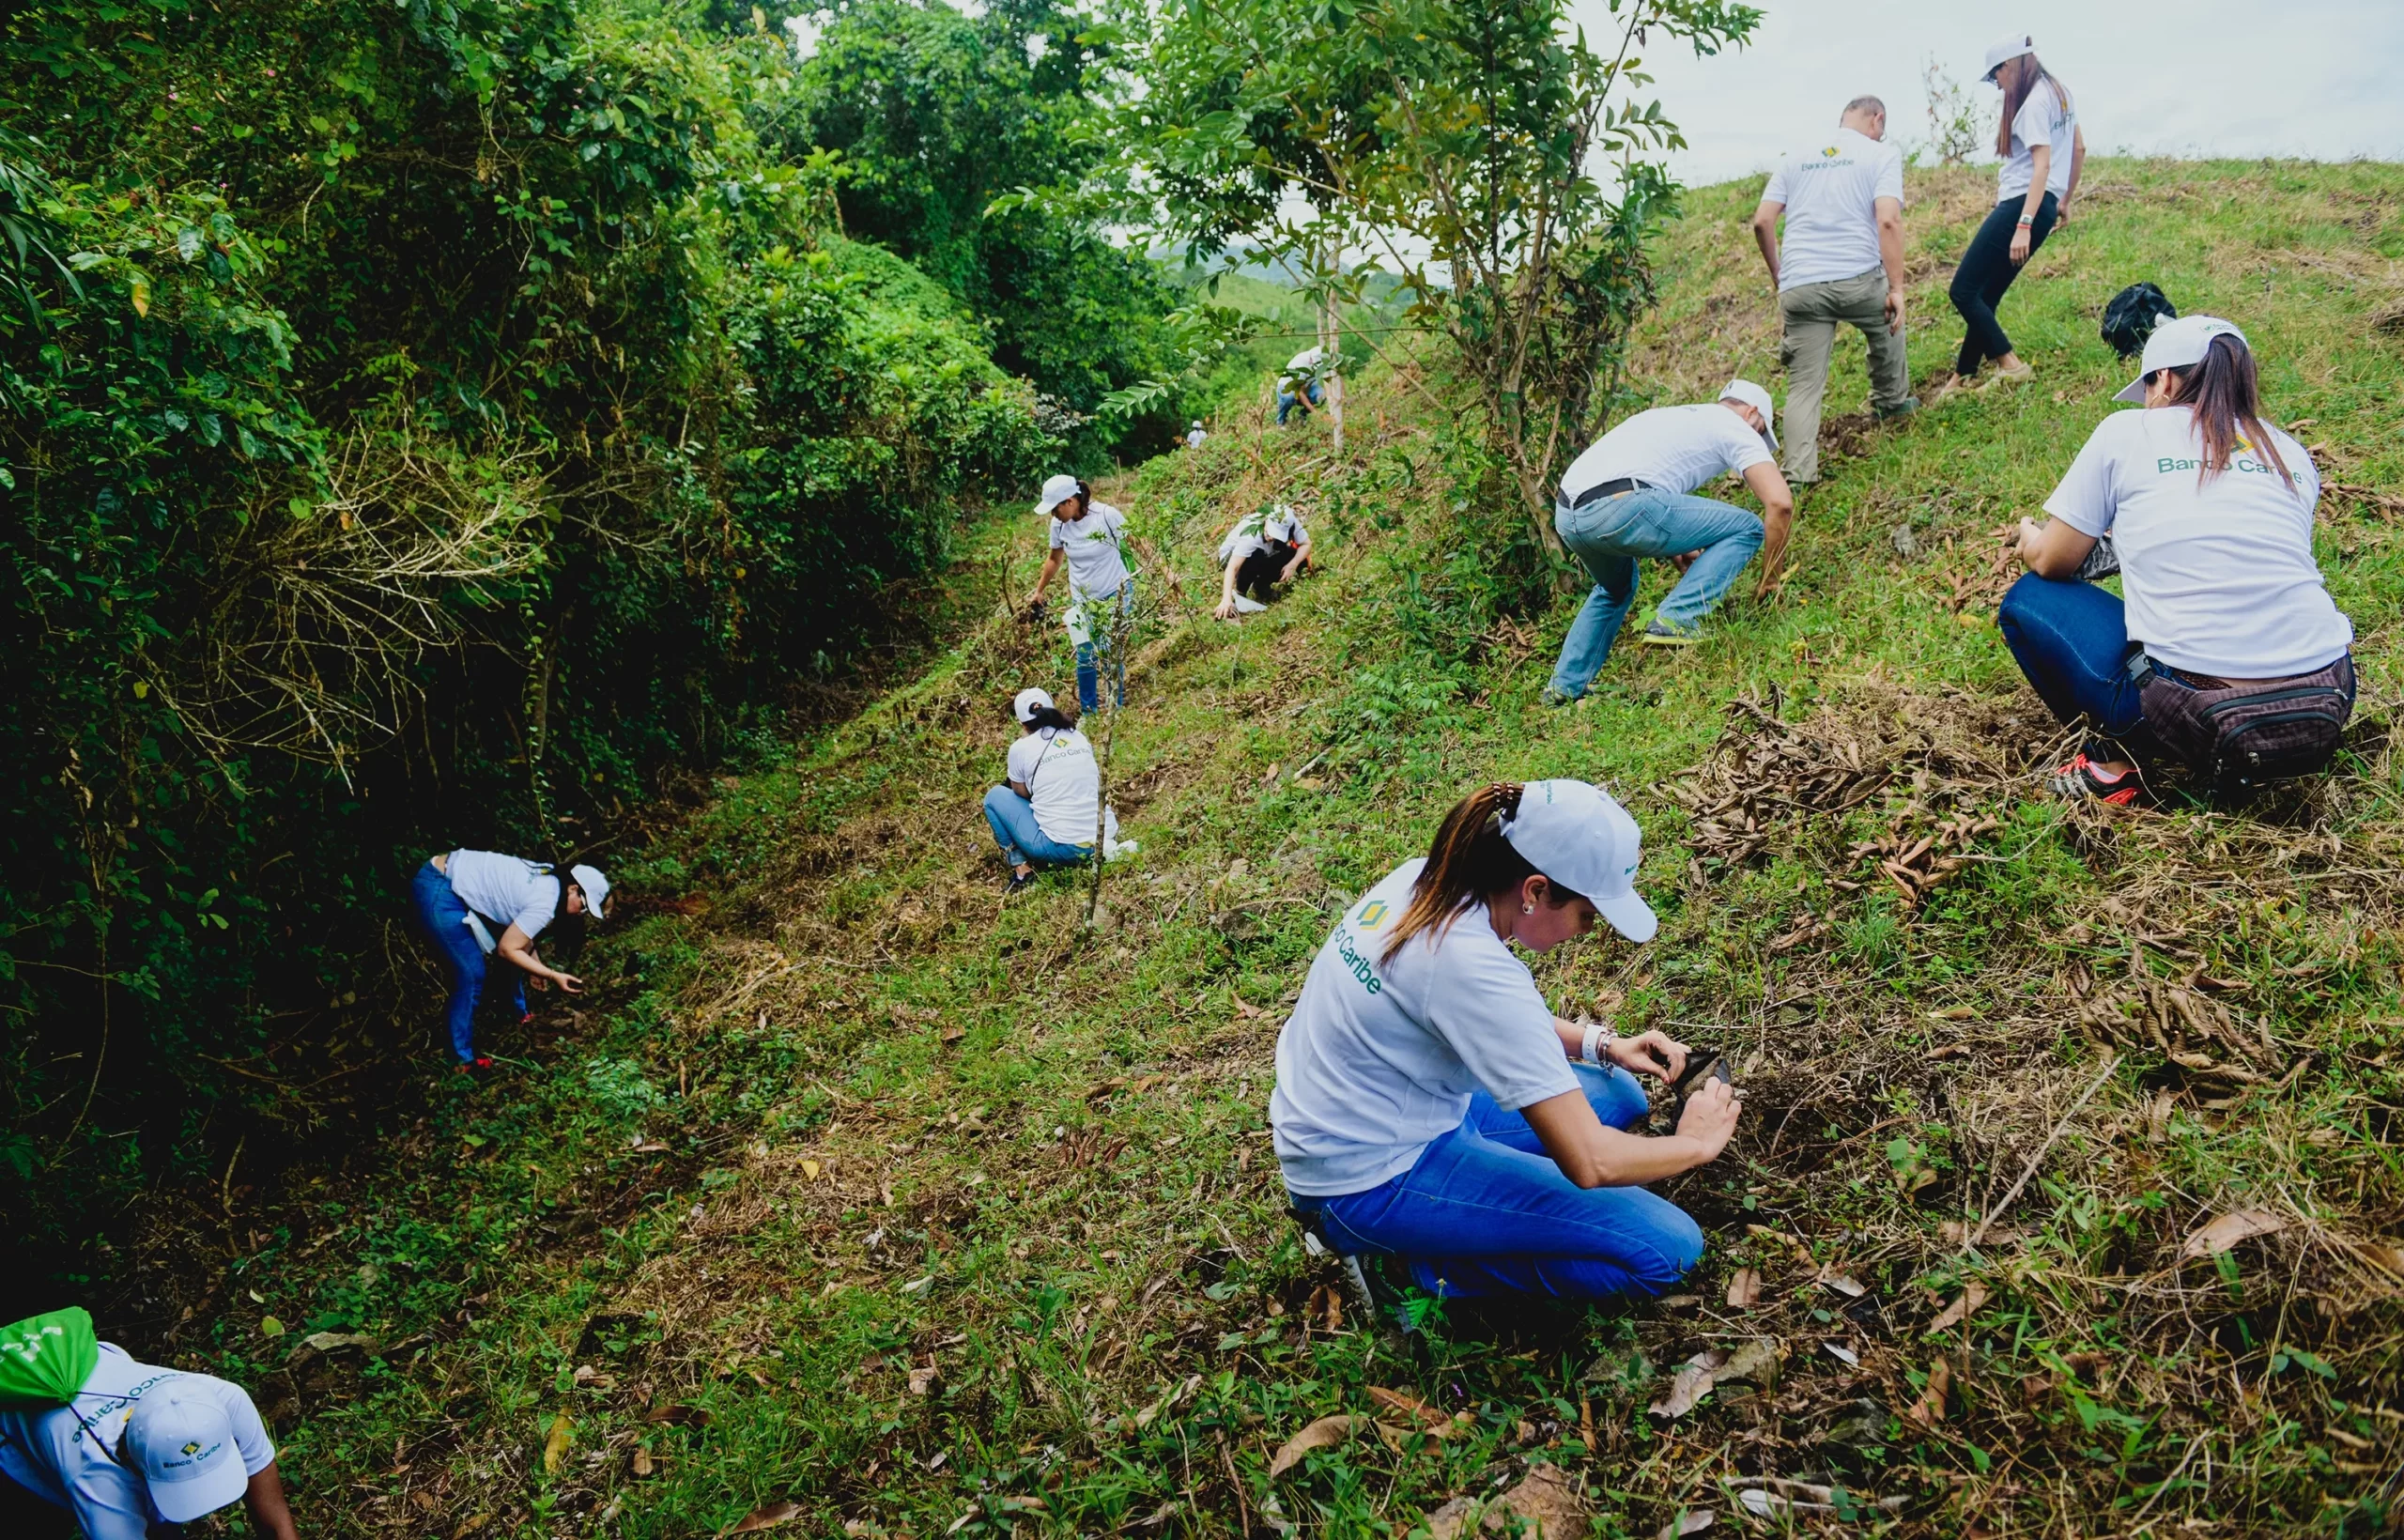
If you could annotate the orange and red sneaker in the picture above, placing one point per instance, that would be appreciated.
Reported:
(2080, 779)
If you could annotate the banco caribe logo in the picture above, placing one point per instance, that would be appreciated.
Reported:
(1829, 153)
(1374, 915)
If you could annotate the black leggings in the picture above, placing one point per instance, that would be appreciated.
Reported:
(1260, 571)
(1985, 272)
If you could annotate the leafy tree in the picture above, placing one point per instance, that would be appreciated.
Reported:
(964, 143)
(1452, 142)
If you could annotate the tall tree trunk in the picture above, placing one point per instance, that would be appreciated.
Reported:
(1331, 338)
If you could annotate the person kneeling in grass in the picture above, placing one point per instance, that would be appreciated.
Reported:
(1269, 546)
(1631, 495)
(2228, 653)
(1050, 815)
(472, 902)
(1430, 1108)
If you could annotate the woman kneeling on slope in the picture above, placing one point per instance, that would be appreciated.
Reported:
(2228, 653)
(1050, 812)
(1430, 1107)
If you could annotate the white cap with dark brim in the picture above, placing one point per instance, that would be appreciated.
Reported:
(1754, 397)
(2179, 344)
(1580, 839)
(1024, 706)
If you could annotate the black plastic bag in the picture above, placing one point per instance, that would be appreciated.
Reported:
(2132, 314)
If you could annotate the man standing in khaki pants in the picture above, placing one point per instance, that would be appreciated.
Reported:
(1841, 262)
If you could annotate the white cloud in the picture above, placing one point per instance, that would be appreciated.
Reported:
(2309, 78)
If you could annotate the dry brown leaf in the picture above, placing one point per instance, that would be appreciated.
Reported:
(1321, 1434)
(766, 1515)
(1545, 1503)
(923, 1378)
(1842, 1284)
(555, 1444)
(470, 1527)
(2230, 1228)
(1246, 1008)
(1692, 1382)
(1929, 1410)
(1744, 1289)
(1690, 1521)
(1961, 1309)
(1755, 1363)
(643, 1461)
(810, 1170)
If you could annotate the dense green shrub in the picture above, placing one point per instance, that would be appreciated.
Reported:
(424, 424)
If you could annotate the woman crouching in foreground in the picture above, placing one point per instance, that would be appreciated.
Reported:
(1430, 1107)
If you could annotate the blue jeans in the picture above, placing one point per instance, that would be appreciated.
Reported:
(1021, 839)
(445, 921)
(2072, 640)
(1486, 1211)
(1610, 533)
(1104, 648)
(1288, 400)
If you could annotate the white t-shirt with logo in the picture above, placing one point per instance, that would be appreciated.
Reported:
(1260, 527)
(1302, 367)
(1831, 191)
(1062, 781)
(1378, 1059)
(1675, 448)
(2219, 577)
(504, 888)
(71, 1454)
(2043, 118)
(1097, 563)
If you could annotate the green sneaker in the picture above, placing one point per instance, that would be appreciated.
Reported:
(1904, 407)
(1662, 634)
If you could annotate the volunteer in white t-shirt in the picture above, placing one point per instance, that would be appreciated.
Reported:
(1195, 436)
(475, 901)
(1840, 263)
(2043, 153)
(1299, 387)
(1631, 495)
(1050, 812)
(1430, 1107)
(1090, 538)
(2226, 620)
(143, 1446)
(1267, 547)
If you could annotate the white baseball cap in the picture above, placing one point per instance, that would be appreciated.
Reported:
(2178, 344)
(1582, 840)
(1056, 490)
(1024, 707)
(180, 1440)
(596, 887)
(2002, 53)
(1754, 397)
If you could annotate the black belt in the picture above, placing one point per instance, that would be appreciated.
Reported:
(1609, 489)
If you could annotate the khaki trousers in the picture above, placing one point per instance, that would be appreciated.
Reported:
(1812, 312)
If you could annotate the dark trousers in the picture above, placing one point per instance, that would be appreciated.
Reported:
(2071, 640)
(1260, 571)
(1985, 272)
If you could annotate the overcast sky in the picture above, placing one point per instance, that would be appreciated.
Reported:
(2321, 79)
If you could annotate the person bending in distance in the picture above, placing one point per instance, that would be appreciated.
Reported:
(2227, 653)
(1430, 1108)
(1840, 263)
(1298, 389)
(470, 903)
(142, 1451)
(1267, 548)
(1049, 814)
(1631, 496)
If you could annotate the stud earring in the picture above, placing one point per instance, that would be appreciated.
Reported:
(1527, 908)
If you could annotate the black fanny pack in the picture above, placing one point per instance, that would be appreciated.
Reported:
(2238, 737)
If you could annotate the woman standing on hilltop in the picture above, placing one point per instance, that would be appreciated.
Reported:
(1091, 538)
(1431, 1108)
(2227, 653)
(2043, 151)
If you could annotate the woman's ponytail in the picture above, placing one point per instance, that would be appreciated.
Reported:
(2224, 393)
(1469, 860)
(1051, 717)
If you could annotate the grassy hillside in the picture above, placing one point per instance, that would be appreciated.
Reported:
(858, 1198)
